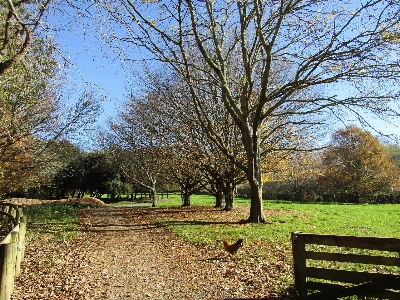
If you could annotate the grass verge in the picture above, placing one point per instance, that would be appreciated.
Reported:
(58, 219)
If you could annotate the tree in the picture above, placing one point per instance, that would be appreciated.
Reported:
(47, 163)
(264, 57)
(35, 113)
(19, 21)
(394, 152)
(184, 169)
(142, 153)
(356, 163)
(94, 173)
(194, 152)
(294, 176)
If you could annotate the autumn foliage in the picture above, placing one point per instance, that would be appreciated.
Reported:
(356, 163)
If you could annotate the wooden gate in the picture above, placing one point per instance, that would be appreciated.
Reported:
(332, 283)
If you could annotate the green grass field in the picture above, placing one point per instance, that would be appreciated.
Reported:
(285, 216)
(58, 219)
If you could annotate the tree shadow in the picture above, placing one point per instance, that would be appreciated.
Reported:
(194, 222)
(111, 227)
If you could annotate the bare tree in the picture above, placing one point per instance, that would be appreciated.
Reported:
(236, 46)
(142, 153)
(195, 151)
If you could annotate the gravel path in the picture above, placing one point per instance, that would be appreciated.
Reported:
(121, 254)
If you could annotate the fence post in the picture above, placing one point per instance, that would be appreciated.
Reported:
(21, 245)
(7, 273)
(299, 262)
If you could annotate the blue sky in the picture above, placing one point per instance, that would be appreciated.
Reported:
(89, 65)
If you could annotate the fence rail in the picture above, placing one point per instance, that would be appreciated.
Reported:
(12, 247)
(327, 285)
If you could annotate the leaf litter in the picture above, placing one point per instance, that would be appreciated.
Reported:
(125, 253)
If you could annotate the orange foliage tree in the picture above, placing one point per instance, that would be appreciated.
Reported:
(356, 163)
(17, 170)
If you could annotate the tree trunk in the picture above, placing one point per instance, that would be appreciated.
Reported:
(256, 204)
(228, 199)
(229, 195)
(254, 176)
(154, 197)
(185, 199)
(218, 198)
(219, 194)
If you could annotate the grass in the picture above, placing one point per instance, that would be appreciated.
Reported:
(271, 242)
(59, 219)
(174, 199)
(286, 217)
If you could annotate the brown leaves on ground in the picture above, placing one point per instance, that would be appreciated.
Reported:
(83, 201)
(122, 253)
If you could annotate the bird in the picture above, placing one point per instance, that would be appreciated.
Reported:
(232, 248)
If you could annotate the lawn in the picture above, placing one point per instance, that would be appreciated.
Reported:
(285, 216)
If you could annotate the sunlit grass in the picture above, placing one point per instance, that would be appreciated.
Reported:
(58, 219)
(284, 217)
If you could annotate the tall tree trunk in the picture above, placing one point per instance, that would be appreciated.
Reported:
(229, 188)
(254, 176)
(154, 198)
(256, 204)
(218, 198)
(154, 195)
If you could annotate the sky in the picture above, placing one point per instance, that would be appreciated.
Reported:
(94, 64)
(90, 66)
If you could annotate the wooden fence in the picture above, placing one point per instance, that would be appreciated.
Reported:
(332, 283)
(12, 247)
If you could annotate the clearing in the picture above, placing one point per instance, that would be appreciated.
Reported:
(123, 253)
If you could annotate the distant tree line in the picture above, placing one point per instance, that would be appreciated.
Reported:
(354, 168)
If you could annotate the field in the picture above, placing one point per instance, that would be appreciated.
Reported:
(266, 257)
(284, 217)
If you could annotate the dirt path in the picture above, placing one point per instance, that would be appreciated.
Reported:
(122, 254)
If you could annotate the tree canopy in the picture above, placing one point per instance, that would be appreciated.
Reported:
(19, 21)
(356, 163)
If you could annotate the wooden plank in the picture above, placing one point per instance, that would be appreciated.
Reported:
(299, 258)
(6, 240)
(353, 258)
(327, 287)
(387, 295)
(373, 243)
(10, 217)
(8, 267)
(11, 209)
(345, 276)
(367, 284)
(20, 246)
